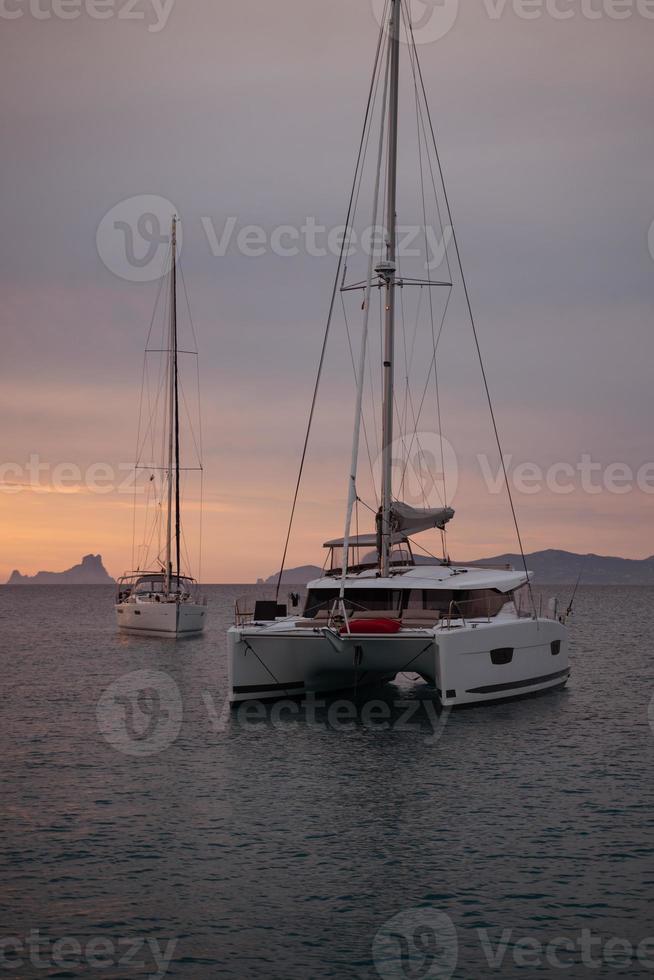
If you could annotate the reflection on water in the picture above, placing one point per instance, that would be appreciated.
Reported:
(280, 840)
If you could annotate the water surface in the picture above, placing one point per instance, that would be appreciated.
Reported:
(279, 845)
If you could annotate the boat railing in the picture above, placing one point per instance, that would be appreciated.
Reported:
(478, 609)
(456, 606)
(526, 608)
(245, 606)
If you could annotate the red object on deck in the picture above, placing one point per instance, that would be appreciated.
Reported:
(373, 626)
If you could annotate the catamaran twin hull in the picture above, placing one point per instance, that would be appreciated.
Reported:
(161, 618)
(467, 664)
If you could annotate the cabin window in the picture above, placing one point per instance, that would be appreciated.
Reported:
(318, 599)
(521, 600)
(469, 603)
(484, 602)
(356, 600)
(433, 600)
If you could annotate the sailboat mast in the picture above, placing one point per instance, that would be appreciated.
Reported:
(178, 532)
(388, 270)
(172, 385)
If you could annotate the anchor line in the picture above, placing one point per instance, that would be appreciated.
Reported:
(417, 655)
(265, 667)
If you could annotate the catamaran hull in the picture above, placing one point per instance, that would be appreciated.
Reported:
(466, 665)
(161, 619)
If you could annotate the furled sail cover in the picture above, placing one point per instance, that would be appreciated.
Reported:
(410, 520)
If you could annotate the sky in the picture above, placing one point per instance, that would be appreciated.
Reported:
(251, 113)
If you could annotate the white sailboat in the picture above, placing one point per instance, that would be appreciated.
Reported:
(162, 599)
(467, 630)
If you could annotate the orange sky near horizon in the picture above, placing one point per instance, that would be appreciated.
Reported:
(546, 137)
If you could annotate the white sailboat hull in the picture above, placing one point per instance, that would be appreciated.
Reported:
(161, 618)
(467, 664)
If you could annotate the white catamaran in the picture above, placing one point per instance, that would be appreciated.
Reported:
(473, 632)
(163, 600)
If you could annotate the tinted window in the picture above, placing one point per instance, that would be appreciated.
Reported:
(469, 603)
(318, 599)
(355, 599)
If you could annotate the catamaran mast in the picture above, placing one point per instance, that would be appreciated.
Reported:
(173, 418)
(387, 270)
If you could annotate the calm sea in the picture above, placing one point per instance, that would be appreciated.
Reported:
(146, 831)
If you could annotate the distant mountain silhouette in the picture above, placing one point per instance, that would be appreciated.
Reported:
(295, 576)
(91, 571)
(549, 567)
(563, 567)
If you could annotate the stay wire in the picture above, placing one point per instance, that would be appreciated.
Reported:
(474, 326)
(367, 117)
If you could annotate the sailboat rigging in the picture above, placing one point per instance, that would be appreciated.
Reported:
(166, 601)
(463, 628)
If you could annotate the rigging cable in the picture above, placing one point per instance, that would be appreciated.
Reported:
(363, 420)
(464, 283)
(144, 387)
(367, 117)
